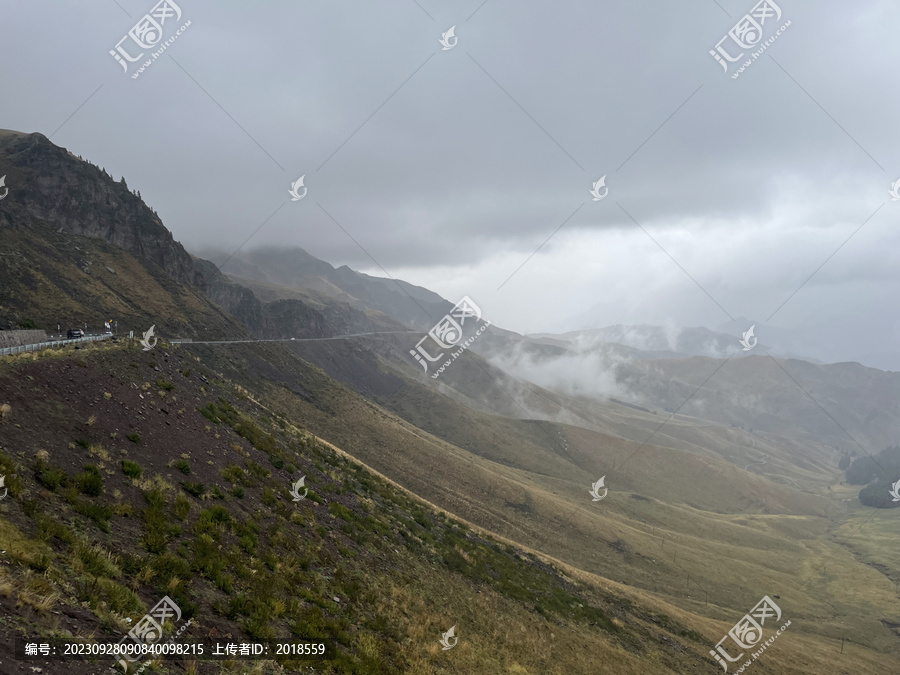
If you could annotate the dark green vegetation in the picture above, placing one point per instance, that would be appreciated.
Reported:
(132, 469)
(878, 474)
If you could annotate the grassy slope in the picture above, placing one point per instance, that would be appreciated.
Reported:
(43, 282)
(240, 558)
(723, 554)
(797, 458)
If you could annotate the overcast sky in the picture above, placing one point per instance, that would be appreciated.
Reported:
(451, 168)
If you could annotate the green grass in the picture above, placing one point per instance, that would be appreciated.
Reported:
(196, 489)
(233, 474)
(340, 511)
(157, 530)
(182, 507)
(131, 469)
(133, 436)
(49, 476)
(89, 481)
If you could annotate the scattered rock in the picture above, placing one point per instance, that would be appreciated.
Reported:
(111, 270)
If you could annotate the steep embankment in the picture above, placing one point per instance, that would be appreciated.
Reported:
(134, 474)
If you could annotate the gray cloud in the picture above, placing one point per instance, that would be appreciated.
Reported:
(459, 176)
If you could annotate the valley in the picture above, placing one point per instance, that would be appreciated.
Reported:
(136, 473)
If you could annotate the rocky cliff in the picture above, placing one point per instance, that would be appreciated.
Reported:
(52, 187)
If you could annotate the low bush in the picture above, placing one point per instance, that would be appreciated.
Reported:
(131, 469)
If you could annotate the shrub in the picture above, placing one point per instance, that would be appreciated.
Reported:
(218, 514)
(96, 559)
(131, 469)
(89, 481)
(256, 470)
(157, 531)
(340, 511)
(233, 474)
(258, 627)
(182, 507)
(183, 466)
(196, 489)
(99, 513)
(238, 492)
(48, 476)
(248, 543)
(225, 582)
(268, 496)
(134, 437)
(121, 599)
(210, 412)
(163, 383)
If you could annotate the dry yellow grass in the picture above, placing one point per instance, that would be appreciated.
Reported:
(681, 551)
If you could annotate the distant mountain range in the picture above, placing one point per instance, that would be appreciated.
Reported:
(661, 342)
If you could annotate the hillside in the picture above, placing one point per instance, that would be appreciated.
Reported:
(134, 475)
(157, 281)
(432, 503)
(294, 269)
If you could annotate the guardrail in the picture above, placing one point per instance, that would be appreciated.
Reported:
(38, 346)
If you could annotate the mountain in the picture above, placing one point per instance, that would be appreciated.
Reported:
(295, 269)
(432, 502)
(56, 221)
(671, 341)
